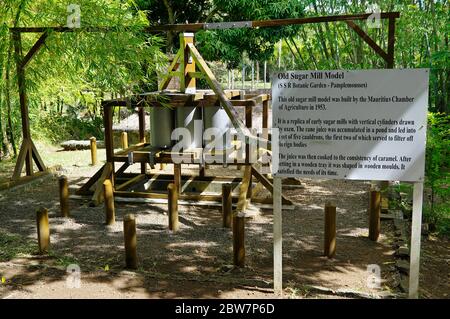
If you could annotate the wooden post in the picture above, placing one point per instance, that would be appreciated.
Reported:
(141, 113)
(124, 138)
(26, 133)
(129, 231)
(238, 240)
(265, 119)
(416, 228)
(177, 177)
(374, 215)
(109, 202)
(227, 207)
(43, 230)
(330, 231)
(64, 196)
(93, 151)
(173, 207)
(187, 64)
(277, 237)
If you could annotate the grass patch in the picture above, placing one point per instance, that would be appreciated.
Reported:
(12, 246)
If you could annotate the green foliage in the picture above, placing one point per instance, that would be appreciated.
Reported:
(437, 171)
(229, 45)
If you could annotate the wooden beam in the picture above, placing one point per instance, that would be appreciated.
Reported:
(368, 40)
(243, 189)
(85, 188)
(173, 66)
(37, 158)
(193, 27)
(391, 43)
(24, 149)
(187, 65)
(131, 182)
(34, 49)
(97, 198)
(23, 100)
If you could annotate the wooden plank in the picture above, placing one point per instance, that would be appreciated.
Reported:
(131, 182)
(416, 229)
(22, 180)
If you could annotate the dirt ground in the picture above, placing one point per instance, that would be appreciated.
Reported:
(196, 261)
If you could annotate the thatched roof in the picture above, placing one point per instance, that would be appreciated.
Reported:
(130, 123)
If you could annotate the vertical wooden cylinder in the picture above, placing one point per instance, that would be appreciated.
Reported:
(330, 231)
(64, 196)
(173, 207)
(110, 216)
(129, 231)
(374, 215)
(238, 240)
(43, 230)
(124, 138)
(227, 205)
(93, 151)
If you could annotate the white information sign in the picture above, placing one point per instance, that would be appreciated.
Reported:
(362, 124)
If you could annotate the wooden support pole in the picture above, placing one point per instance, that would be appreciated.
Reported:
(110, 216)
(129, 232)
(374, 215)
(265, 119)
(177, 177)
(64, 196)
(330, 231)
(26, 133)
(227, 205)
(141, 114)
(187, 64)
(93, 141)
(124, 138)
(173, 207)
(43, 230)
(238, 240)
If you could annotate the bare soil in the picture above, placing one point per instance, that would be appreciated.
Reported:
(196, 261)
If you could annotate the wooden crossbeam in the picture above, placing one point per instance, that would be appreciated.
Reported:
(173, 66)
